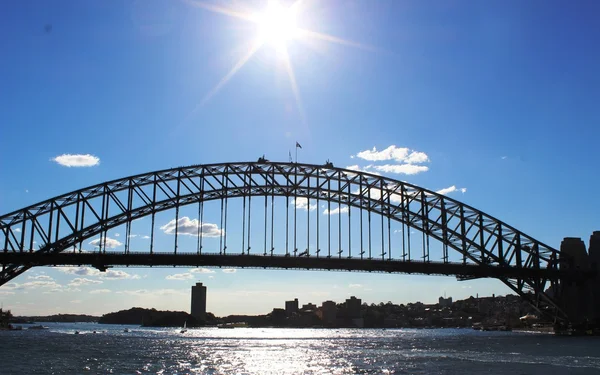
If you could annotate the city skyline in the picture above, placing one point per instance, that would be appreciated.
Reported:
(498, 114)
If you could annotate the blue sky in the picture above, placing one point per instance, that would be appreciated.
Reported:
(500, 95)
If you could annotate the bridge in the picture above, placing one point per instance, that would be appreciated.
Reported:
(269, 216)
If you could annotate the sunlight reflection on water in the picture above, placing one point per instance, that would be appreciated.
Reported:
(291, 351)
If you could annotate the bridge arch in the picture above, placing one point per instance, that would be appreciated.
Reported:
(478, 237)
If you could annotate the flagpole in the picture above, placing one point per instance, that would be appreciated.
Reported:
(297, 147)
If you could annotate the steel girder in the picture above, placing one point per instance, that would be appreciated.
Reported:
(85, 213)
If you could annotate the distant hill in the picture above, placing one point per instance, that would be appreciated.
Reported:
(59, 318)
(154, 318)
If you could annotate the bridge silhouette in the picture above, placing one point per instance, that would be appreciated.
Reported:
(369, 224)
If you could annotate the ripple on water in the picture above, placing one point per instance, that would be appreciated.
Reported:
(292, 351)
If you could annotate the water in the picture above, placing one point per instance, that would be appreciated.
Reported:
(291, 351)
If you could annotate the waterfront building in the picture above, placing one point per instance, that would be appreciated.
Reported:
(291, 306)
(328, 312)
(445, 302)
(353, 306)
(198, 310)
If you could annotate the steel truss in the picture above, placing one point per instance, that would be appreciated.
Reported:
(530, 267)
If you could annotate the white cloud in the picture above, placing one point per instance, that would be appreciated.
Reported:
(191, 228)
(202, 270)
(99, 291)
(336, 211)
(79, 281)
(367, 169)
(108, 242)
(117, 234)
(302, 204)
(88, 271)
(133, 236)
(229, 270)
(41, 278)
(27, 190)
(180, 276)
(60, 289)
(447, 190)
(79, 271)
(77, 160)
(6, 293)
(75, 301)
(416, 157)
(375, 194)
(399, 154)
(504, 157)
(354, 286)
(35, 285)
(158, 292)
(118, 275)
(18, 230)
(451, 189)
(146, 237)
(409, 169)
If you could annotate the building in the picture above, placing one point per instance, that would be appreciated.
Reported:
(445, 302)
(353, 306)
(291, 306)
(328, 313)
(309, 307)
(198, 310)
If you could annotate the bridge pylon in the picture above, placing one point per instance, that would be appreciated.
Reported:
(580, 298)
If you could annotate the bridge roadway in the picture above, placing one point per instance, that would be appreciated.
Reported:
(102, 261)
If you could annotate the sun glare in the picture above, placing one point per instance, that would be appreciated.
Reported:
(276, 25)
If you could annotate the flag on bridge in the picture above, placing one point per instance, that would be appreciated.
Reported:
(298, 145)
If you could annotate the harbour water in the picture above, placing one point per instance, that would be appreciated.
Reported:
(112, 350)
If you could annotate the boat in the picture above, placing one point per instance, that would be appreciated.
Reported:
(126, 330)
(184, 329)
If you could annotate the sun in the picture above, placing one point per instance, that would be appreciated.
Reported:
(276, 25)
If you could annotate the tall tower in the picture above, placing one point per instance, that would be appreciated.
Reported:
(198, 301)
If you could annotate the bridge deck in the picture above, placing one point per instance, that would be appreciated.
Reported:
(105, 260)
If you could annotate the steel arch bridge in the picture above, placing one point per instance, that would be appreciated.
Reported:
(481, 245)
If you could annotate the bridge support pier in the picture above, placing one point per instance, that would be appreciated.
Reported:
(580, 300)
(594, 251)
